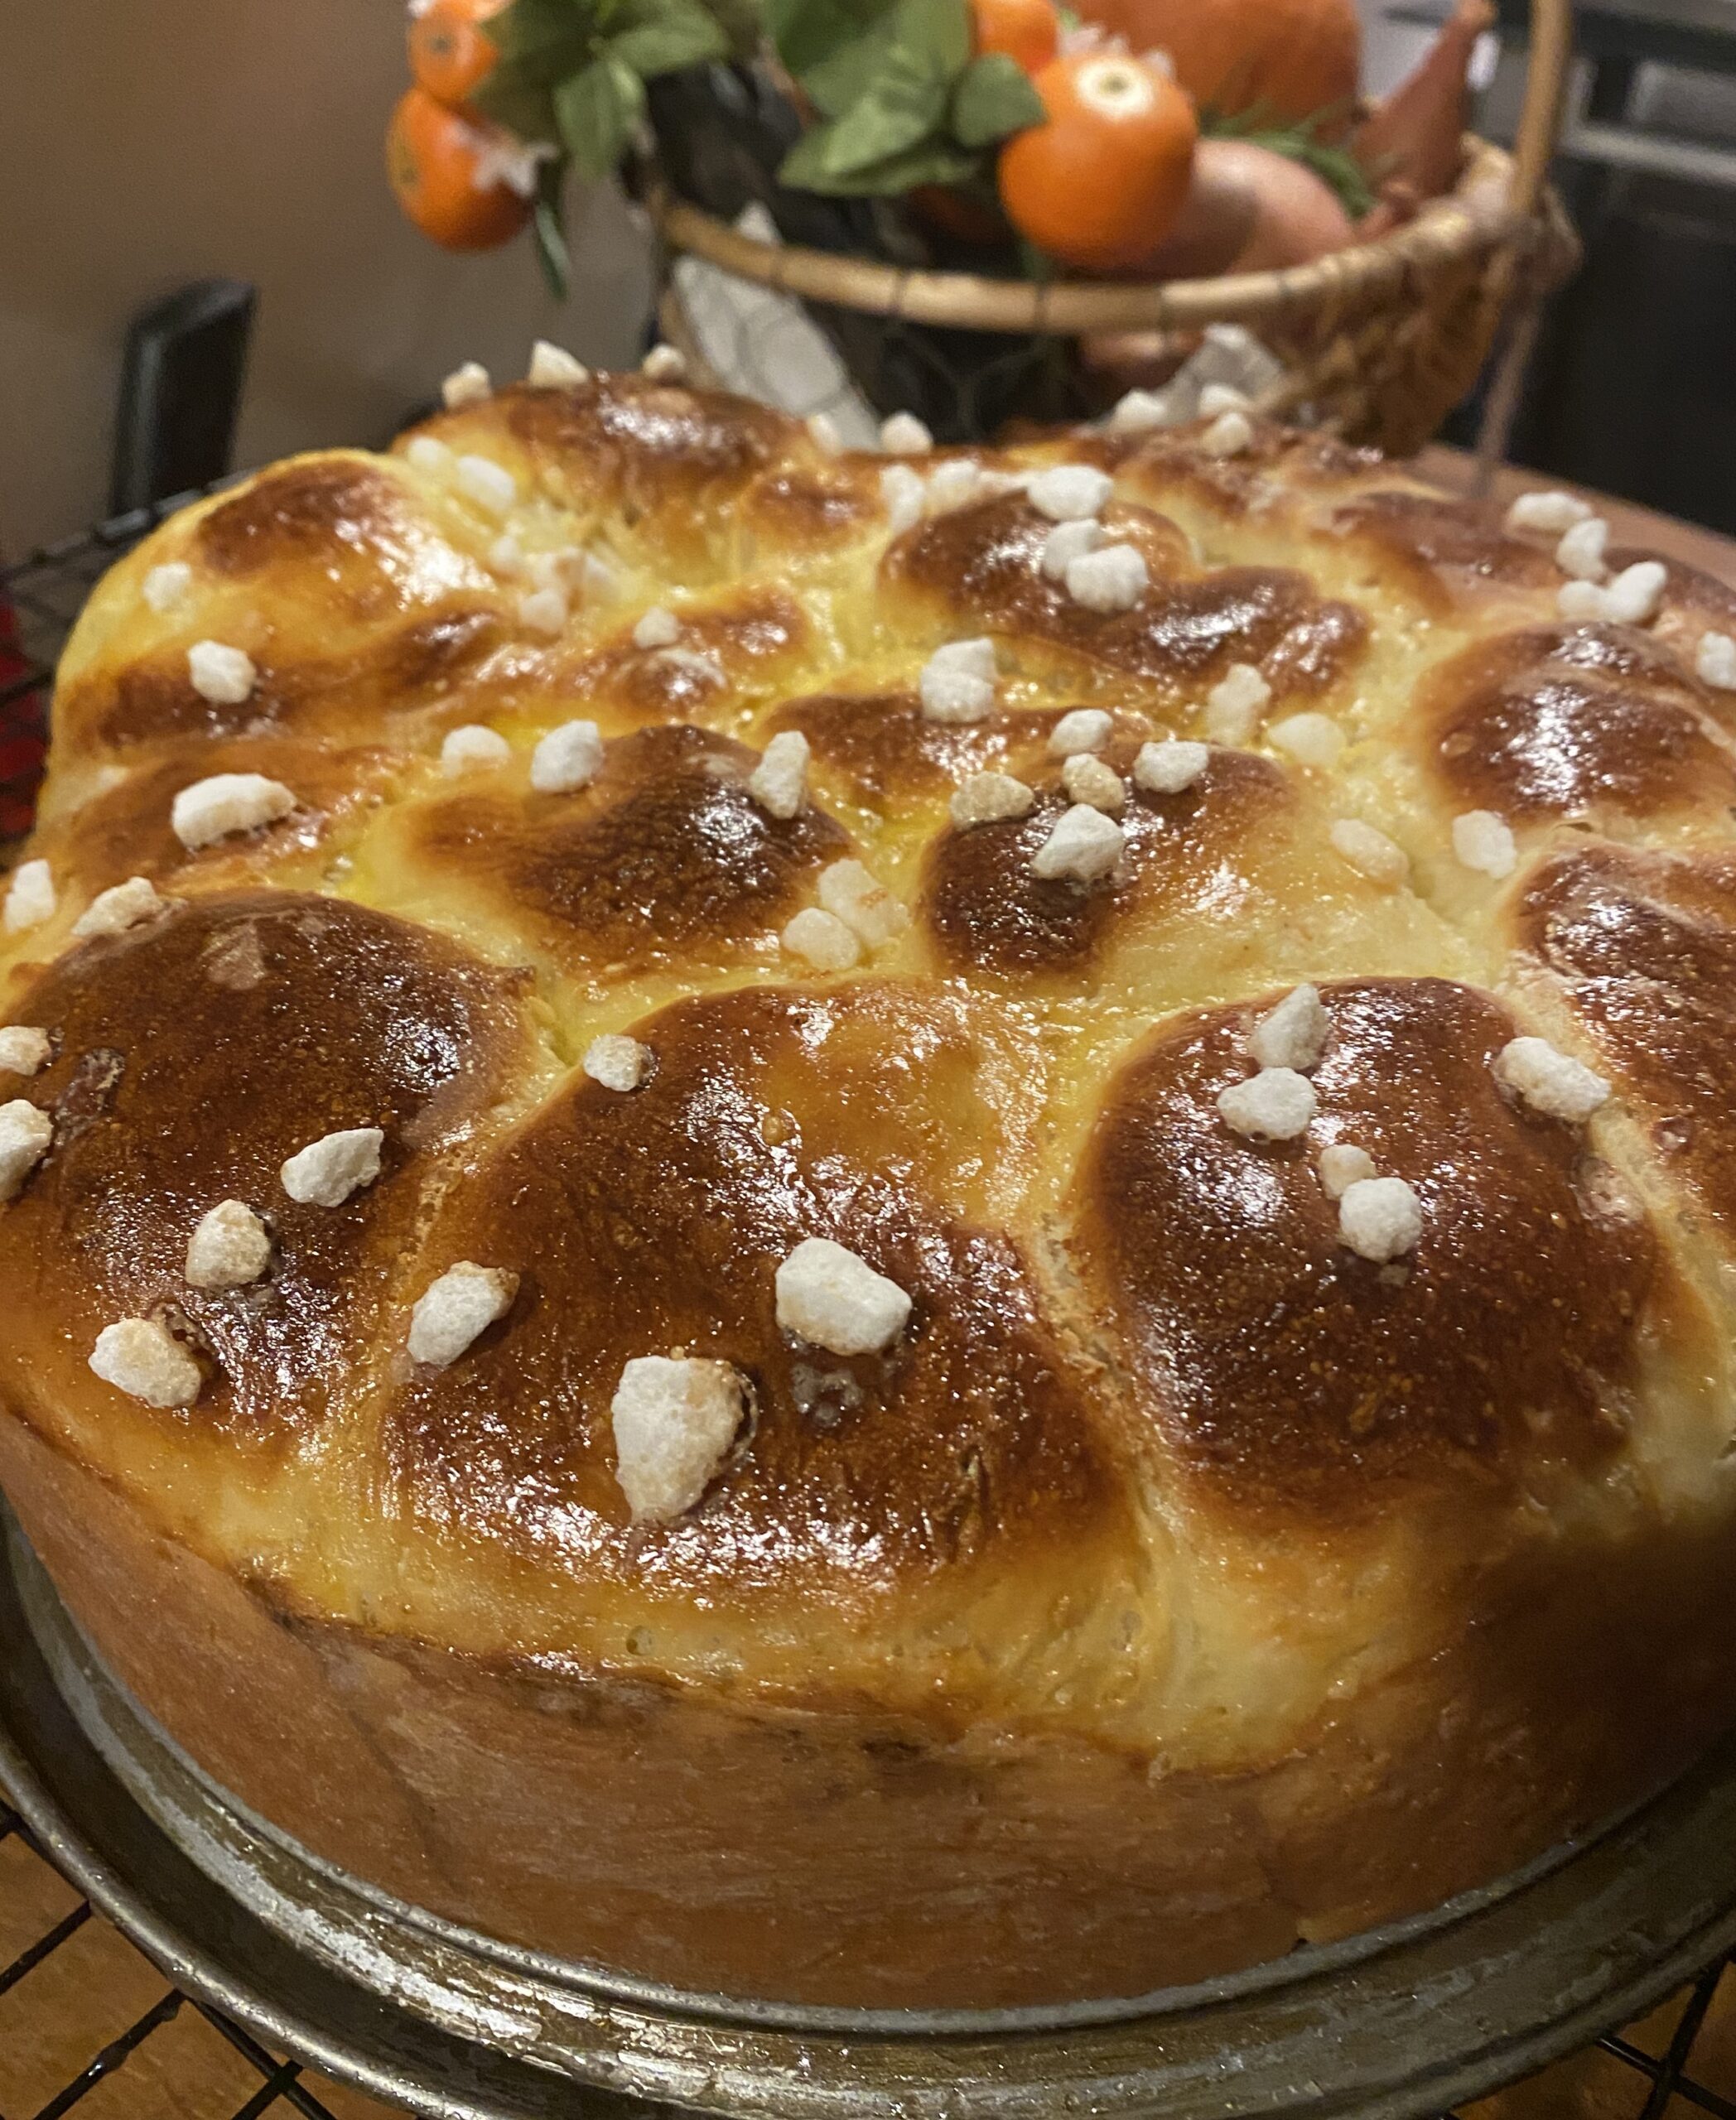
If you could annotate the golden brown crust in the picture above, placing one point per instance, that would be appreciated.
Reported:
(1591, 721)
(1179, 1583)
(1293, 1374)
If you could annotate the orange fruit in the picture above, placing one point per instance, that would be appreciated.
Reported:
(1099, 183)
(1028, 30)
(1292, 58)
(450, 55)
(440, 165)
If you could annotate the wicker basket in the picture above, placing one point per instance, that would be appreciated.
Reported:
(1379, 341)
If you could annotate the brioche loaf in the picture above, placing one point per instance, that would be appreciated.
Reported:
(951, 1231)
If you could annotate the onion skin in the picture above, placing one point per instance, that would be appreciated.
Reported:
(1297, 216)
(1215, 223)
(1416, 134)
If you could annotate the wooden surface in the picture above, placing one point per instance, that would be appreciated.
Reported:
(92, 1988)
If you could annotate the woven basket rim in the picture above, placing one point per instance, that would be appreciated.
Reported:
(1477, 216)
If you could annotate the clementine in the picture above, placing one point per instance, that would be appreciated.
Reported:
(450, 53)
(1099, 183)
(1027, 31)
(450, 175)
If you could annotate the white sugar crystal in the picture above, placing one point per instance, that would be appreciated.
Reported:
(1111, 578)
(1379, 1218)
(225, 676)
(1070, 493)
(863, 903)
(326, 1171)
(1235, 704)
(30, 897)
(468, 385)
(820, 939)
(1228, 434)
(1222, 397)
(567, 757)
(164, 586)
(1634, 597)
(1580, 599)
(618, 1062)
(1552, 511)
(490, 485)
(905, 495)
(1083, 729)
(958, 682)
(597, 578)
(657, 627)
(145, 1360)
(1167, 767)
(1580, 551)
(1484, 841)
(1068, 541)
(26, 1134)
(664, 364)
(958, 483)
(454, 1310)
(1714, 661)
(473, 746)
(429, 455)
(24, 1049)
(706, 667)
(506, 555)
(1371, 853)
(1292, 1034)
(1140, 411)
(1083, 845)
(1088, 779)
(986, 797)
(779, 783)
(231, 1247)
(1631, 599)
(552, 368)
(1550, 1082)
(830, 1297)
(1276, 1105)
(823, 429)
(544, 610)
(113, 912)
(1343, 1165)
(904, 434)
(674, 1418)
(1311, 739)
(227, 802)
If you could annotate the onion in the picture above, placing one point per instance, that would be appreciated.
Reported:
(1297, 215)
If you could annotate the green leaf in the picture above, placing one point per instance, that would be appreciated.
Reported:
(541, 40)
(548, 228)
(597, 108)
(902, 105)
(526, 109)
(935, 34)
(830, 45)
(657, 36)
(994, 98)
(931, 162)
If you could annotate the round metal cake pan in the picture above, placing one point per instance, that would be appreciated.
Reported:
(1417, 2018)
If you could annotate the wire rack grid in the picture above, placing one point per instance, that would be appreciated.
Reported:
(150, 2052)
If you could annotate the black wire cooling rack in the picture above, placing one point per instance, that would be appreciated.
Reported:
(1654, 2065)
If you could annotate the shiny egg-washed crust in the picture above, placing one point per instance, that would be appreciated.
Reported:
(1180, 1585)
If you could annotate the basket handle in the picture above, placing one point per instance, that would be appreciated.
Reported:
(1545, 82)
